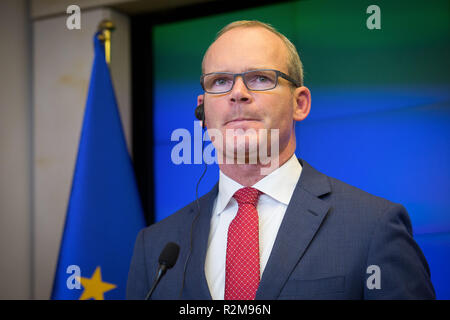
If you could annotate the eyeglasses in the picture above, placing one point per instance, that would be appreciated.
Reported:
(255, 80)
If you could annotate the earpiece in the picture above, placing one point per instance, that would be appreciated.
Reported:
(200, 112)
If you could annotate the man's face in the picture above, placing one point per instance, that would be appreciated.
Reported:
(240, 50)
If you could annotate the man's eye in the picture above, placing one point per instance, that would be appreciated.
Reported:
(262, 78)
(220, 81)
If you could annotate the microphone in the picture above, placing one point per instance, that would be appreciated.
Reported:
(167, 260)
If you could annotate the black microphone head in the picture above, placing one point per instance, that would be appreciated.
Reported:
(169, 255)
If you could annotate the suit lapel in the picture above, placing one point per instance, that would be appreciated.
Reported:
(302, 220)
(196, 286)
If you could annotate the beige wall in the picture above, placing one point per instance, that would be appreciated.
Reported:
(15, 153)
(44, 77)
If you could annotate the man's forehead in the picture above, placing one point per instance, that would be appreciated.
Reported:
(245, 48)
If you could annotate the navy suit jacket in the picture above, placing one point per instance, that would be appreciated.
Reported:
(330, 235)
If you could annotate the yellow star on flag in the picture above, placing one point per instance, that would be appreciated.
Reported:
(94, 287)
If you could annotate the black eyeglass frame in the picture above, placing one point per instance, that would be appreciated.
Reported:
(235, 75)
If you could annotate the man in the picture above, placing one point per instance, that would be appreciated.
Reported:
(289, 232)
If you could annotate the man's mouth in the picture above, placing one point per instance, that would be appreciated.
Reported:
(240, 121)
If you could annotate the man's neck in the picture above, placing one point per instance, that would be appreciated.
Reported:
(249, 174)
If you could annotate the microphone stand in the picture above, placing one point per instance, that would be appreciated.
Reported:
(162, 269)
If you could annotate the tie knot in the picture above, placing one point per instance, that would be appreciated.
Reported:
(247, 195)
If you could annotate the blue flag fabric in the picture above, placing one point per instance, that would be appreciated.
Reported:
(104, 213)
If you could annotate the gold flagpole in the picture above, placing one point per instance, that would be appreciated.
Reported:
(106, 27)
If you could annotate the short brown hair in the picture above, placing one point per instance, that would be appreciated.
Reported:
(294, 64)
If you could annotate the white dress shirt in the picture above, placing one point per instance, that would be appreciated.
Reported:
(277, 189)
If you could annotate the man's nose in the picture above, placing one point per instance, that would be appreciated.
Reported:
(240, 93)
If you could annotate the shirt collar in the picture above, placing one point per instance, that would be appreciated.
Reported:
(279, 184)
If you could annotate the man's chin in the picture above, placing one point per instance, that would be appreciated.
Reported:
(245, 146)
(246, 154)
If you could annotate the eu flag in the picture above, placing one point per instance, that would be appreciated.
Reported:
(104, 213)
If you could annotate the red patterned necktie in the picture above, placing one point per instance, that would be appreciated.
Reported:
(242, 265)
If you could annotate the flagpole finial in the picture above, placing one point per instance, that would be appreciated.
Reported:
(106, 26)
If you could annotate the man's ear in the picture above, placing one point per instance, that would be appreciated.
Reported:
(302, 103)
(200, 110)
(200, 99)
